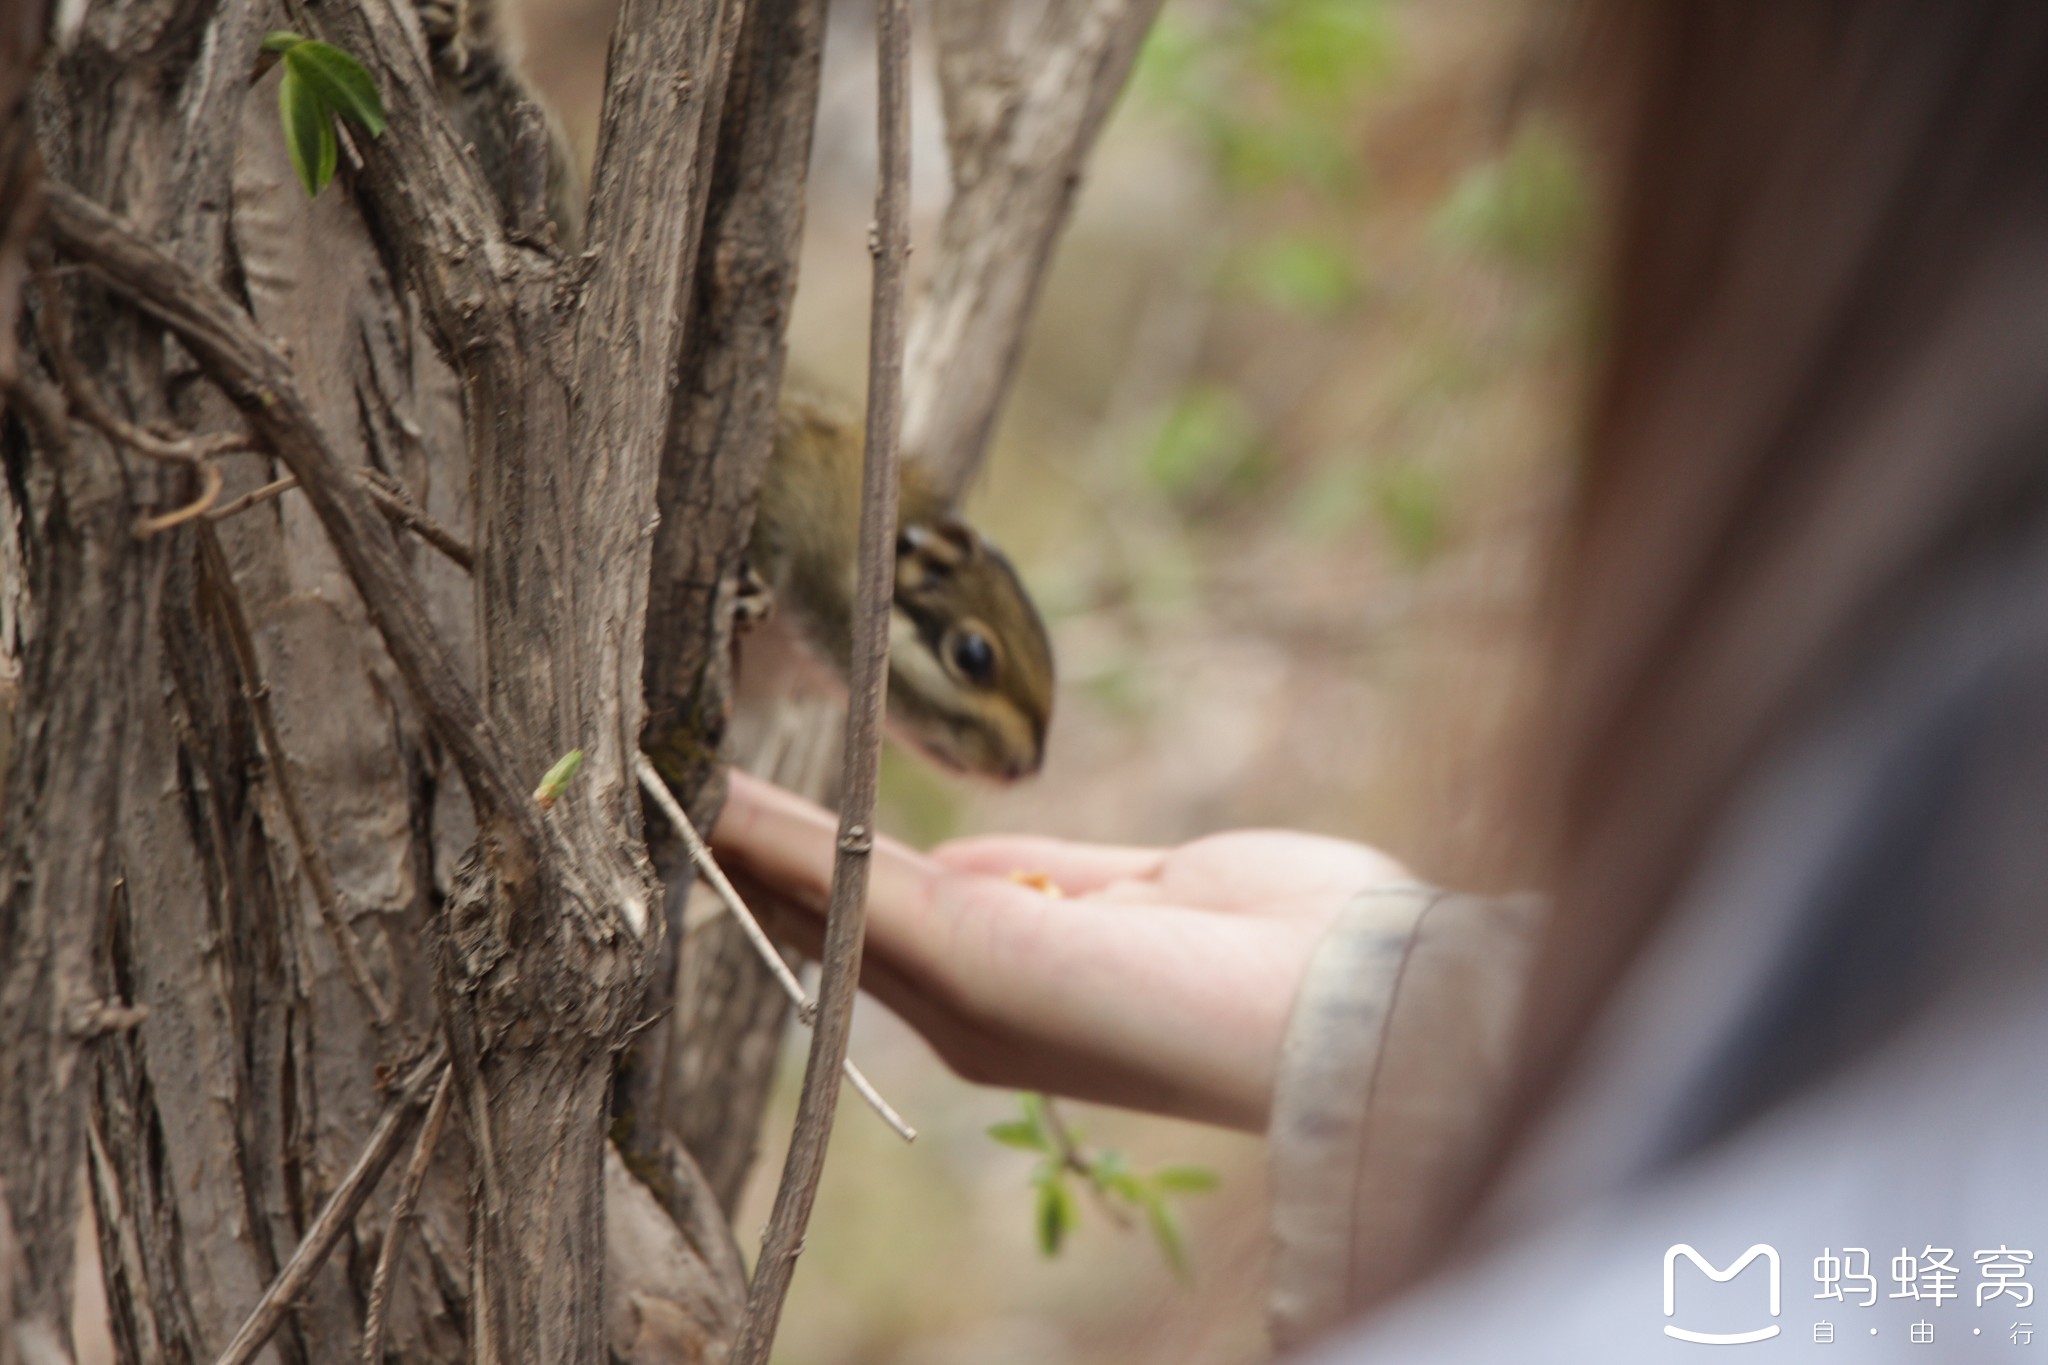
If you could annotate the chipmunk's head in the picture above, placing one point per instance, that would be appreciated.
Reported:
(970, 666)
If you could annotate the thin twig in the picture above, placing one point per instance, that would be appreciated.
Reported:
(194, 452)
(87, 401)
(238, 505)
(1070, 1155)
(392, 500)
(400, 1112)
(714, 875)
(312, 857)
(210, 480)
(708, 868)
(867, 675)
(401, 1217)
(395, 501)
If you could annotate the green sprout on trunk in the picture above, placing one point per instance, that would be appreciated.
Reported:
(321, 84)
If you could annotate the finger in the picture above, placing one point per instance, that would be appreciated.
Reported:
(789, 845)
(1075, 868)
(785, 841)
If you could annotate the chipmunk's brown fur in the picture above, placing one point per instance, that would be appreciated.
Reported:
(970, 665)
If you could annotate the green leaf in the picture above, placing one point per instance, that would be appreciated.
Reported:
(342, 82)
(284, 40)
(1169, 70)
(1309, 276)
(1033, 1106)
(308, 133)
(1411, 502)
(1527, 208)
(1186, 1179)
(1166, 1232)
(1111, 1173)
(1326, 49)
(1055, 1214)
(1123, 1185)
(1018, 1133)
(1207, 440)
(557, 780)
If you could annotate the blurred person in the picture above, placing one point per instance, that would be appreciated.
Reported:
(1789, 784)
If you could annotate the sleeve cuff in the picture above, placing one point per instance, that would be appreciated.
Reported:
(1385, 1092)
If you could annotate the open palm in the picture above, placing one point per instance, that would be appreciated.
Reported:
(1156, 979)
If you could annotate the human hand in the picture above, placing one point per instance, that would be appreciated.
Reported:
(1159, 979)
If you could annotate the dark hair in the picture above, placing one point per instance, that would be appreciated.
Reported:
(1823, 382)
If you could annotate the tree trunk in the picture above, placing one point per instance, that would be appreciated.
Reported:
(270, 771)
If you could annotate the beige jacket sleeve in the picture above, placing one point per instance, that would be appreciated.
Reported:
(1387, 1086)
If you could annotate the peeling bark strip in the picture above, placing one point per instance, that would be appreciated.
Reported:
(70, 753)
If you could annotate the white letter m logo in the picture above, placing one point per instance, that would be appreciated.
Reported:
(1671, 1255)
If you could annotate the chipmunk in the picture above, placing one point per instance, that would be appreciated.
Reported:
(970, 663)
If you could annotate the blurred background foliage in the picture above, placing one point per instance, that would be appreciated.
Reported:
(1288, 438)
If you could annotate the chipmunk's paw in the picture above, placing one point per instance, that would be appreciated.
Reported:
(754, 603)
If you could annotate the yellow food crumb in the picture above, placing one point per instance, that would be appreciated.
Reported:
(1037, 881)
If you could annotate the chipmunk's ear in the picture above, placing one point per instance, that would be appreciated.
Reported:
(928, 551)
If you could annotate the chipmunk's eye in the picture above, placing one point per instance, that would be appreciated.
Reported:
(973, 655)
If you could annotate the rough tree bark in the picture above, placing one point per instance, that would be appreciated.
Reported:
(248, 821)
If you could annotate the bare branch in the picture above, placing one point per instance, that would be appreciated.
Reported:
(195, 452)
(1019, 135)
(40, 406)
(210, 481)
(392, 500)
(87, 402)
(400, 1113)
(22, 31)
(401, 1216)
(977, 80)
(721, 427)
(396, 503)
(867, 676)
(236, 506)
(714, 876)
(259, 381)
